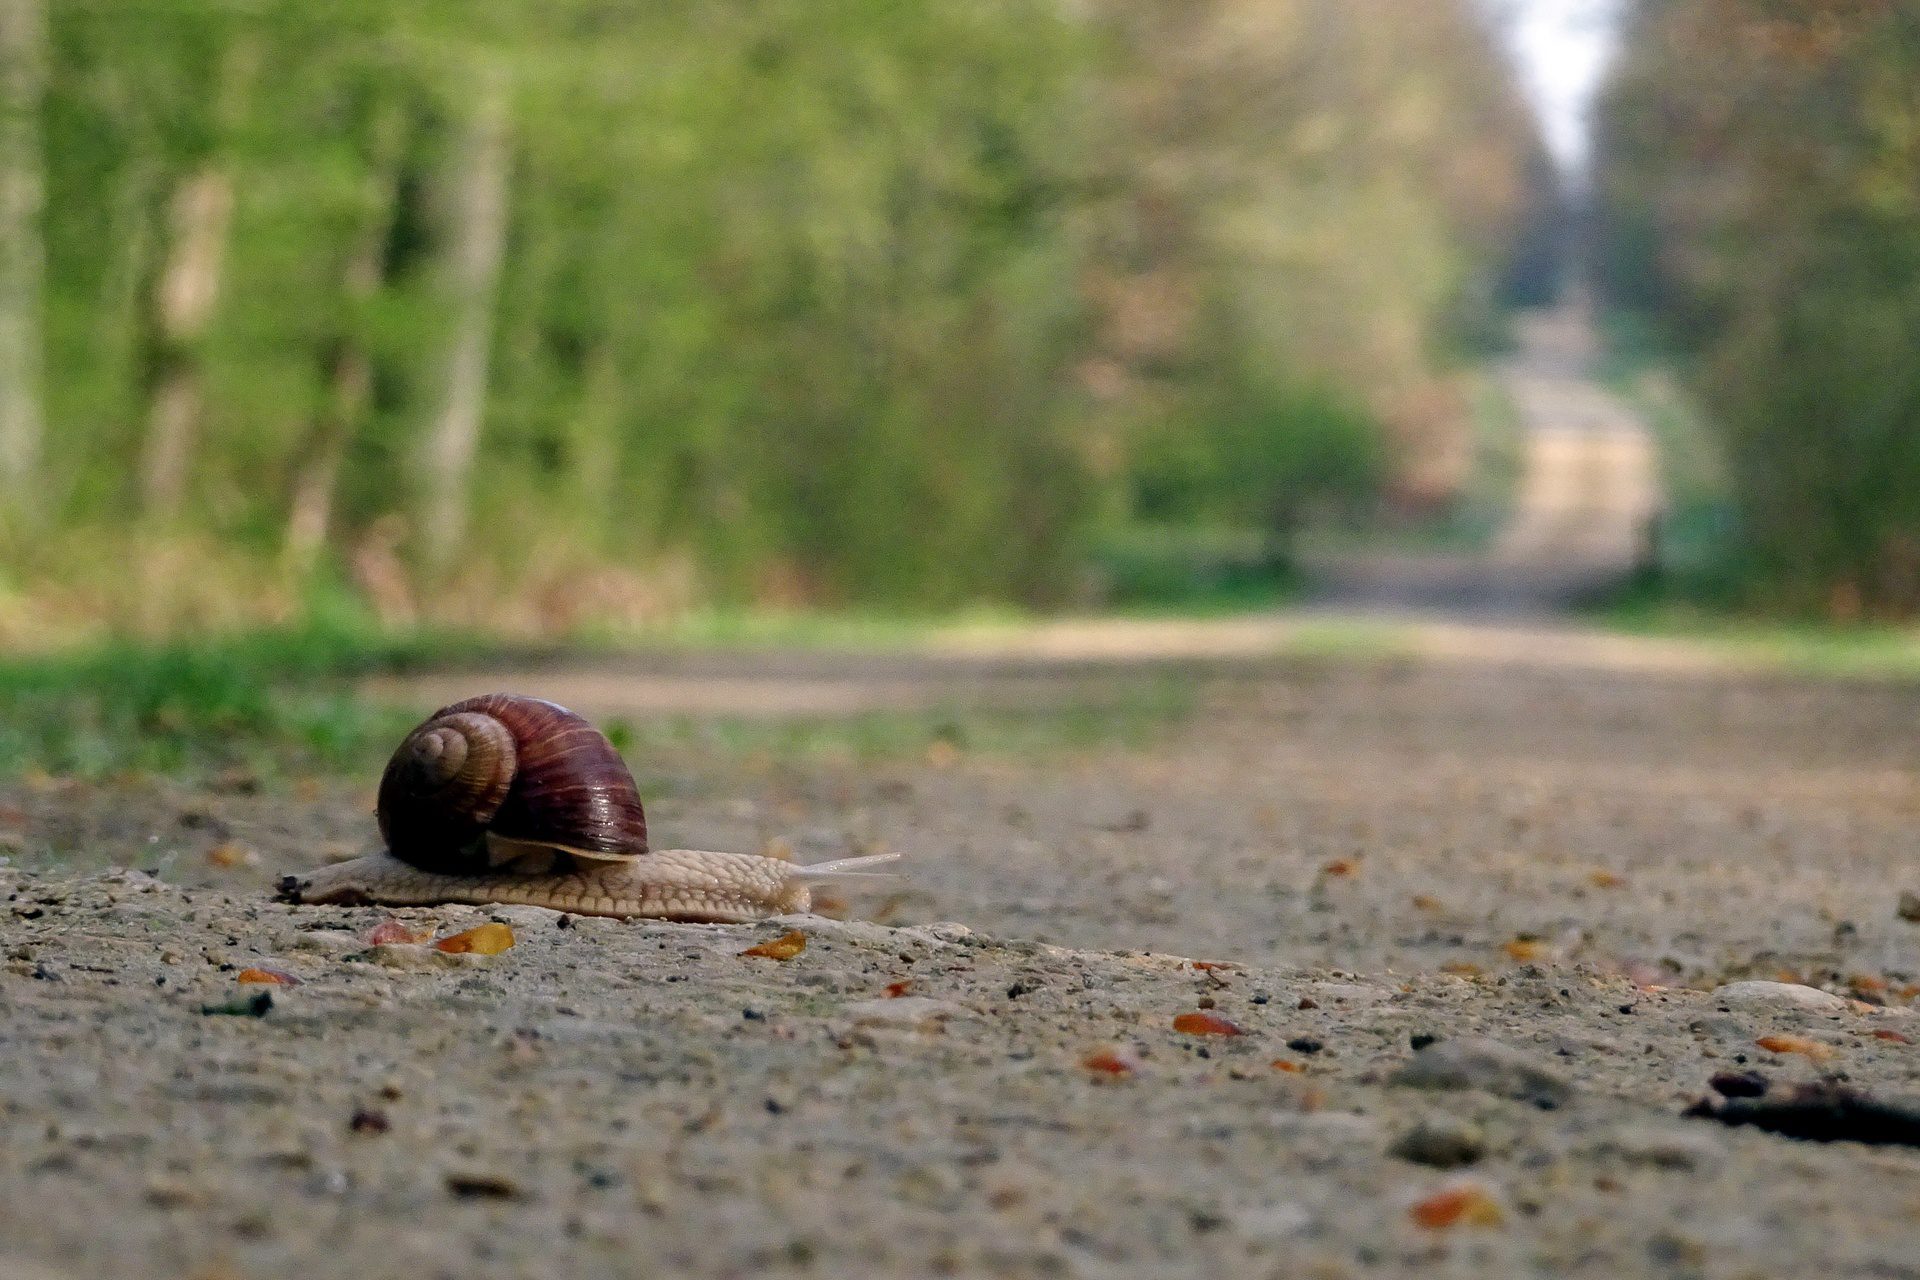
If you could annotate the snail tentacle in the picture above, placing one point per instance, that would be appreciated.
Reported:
(846, 868)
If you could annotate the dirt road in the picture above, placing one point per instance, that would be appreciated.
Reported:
(1583, 509)
(1566, 861)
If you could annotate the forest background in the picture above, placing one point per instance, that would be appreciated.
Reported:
(557, 318)
(1759, 204)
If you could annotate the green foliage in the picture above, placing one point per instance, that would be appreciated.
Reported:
(831, 302)
(1193, 568)
(1261, 453)
(1762, 198)
(1702, 558)
(1328, 191)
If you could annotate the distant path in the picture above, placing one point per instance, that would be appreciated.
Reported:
(1588, 492)
(1087, 661)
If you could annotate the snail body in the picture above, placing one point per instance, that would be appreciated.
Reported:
(508, 799)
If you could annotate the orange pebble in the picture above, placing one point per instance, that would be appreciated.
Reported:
(1782, 1043)
(1467, 1204)
(482, 940)
(784, 947)
(1206, 1024)
(391, 930)
(1525, 950)
(273, 977)
(1112, 1060)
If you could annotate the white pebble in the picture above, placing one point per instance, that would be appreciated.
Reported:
(1778, 995)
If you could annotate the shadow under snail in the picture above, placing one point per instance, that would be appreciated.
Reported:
(505, 799)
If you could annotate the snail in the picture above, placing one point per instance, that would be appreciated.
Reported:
(507, 799)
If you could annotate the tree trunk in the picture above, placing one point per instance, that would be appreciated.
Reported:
(201, 209)
(23, 79)
(596, 453)
(183, 305)
(349, 366)
(479, 229)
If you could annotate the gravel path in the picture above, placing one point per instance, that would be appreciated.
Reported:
(1583, 508)
(1565, 863)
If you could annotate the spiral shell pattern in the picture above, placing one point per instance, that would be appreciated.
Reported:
(517, 768)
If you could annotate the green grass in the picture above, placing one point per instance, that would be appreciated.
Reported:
(273, 701)
(860, 631)
(284, 704)
(1874, 653)
(1811, 648)
(1157, 569)
(1128, 714)
(1358, 640)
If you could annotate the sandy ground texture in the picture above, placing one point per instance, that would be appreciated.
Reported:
(1551, 872)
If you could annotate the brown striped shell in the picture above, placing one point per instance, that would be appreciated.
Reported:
(483, 782)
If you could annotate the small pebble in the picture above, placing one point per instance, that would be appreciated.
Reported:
(328, 942)
(1664, 1147)
(1486, 1065)
(257, 1005)
(369, 1120)
(922, 1013)
(1441, 1142)
(482, 1186)
(1738, 1084)
(1276, 1220)
(1771, 996)
(529, 919)
(401, 955)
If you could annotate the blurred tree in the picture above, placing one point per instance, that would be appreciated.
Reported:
(1761, 196)
(1323, 192)
(477, 242)
(187, 290)
(23, 76)
(345, 359)
(548, 314)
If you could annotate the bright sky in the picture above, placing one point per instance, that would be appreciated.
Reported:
(1563, 47)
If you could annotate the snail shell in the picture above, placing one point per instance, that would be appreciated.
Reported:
(508, 782)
